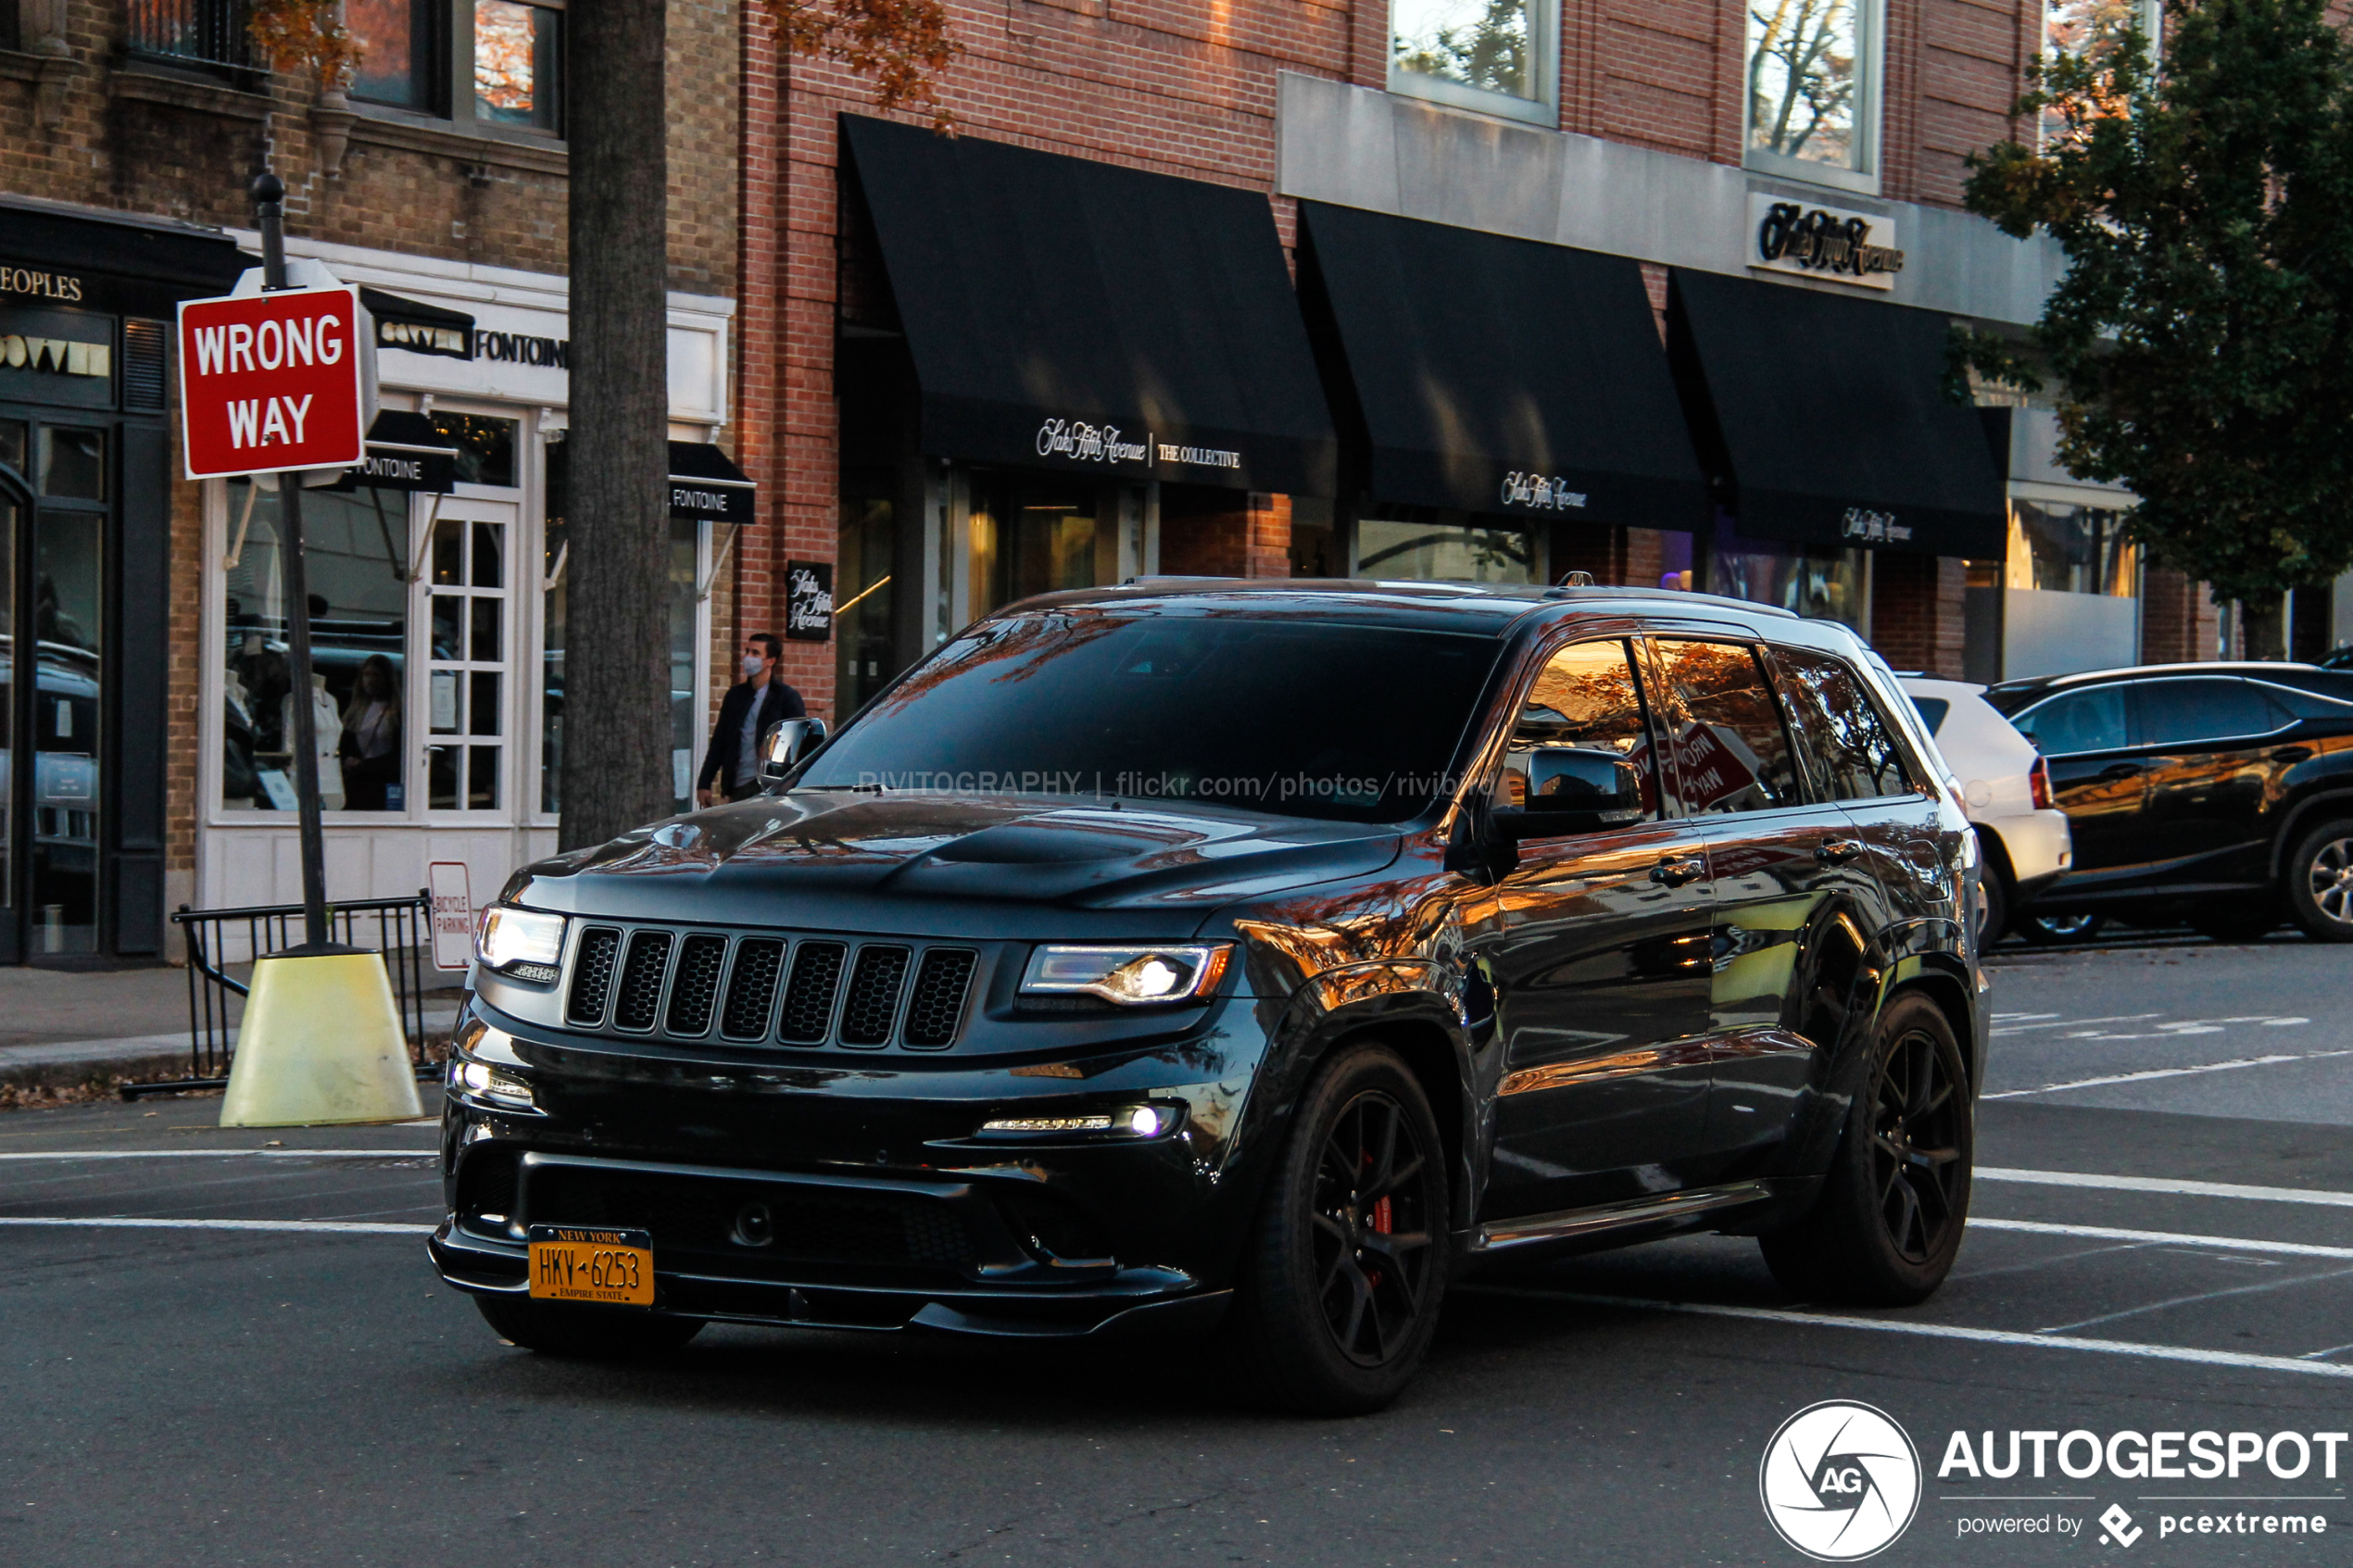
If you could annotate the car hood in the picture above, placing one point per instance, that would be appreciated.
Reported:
(856, 861)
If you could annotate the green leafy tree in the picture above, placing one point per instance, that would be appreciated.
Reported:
(2202, 337)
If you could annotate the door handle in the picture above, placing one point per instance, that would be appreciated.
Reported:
(1838, 851)
(2118, 771)
(2293, 754)
(1674, 873)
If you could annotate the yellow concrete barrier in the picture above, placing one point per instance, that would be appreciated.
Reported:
(320, 1042)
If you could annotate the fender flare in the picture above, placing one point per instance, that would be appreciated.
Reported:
(2299, 817)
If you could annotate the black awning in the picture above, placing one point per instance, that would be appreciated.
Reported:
(1827, 417)
(111, 261)
(404, 453)
(418, 327)
(1495, 374)
(1068, 314)
(704, 482)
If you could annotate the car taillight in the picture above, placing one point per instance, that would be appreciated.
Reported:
(2038, 785)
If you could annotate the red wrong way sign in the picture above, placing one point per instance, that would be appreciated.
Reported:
(270, 382)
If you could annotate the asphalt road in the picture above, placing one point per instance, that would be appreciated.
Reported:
(2163, 1242)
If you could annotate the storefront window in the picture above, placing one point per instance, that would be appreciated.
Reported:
(517, 53)
(1443, 544)
(2071, 550)
(466, 675)
(1812, 83)
(356, 552)
(686, 715)
(486, 447)
(863, 661)
(1036, 538)
(555, 599)
(1819, 584)
(73, 463)
(1487, 54)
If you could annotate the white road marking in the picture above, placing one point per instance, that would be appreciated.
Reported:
(1935, 1331)
(2052, 1021)
(352, 1227)
(2165, 1238)
(2194, 1301)
(223, 1153)
(2166, 1073)
(2164, 1184)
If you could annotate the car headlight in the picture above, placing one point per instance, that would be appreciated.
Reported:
(1134, 975)
(524, 943)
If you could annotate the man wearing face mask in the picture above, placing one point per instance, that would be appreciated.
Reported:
(762, 698)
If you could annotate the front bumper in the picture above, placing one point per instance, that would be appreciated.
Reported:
(859, 1196)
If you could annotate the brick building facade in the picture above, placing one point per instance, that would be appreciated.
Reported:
(1634, 138)
(128, 134)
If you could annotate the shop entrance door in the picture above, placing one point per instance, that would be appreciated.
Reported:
(52, 591)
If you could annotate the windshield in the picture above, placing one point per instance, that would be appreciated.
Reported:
(1300, 718)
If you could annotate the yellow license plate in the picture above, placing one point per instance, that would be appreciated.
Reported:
(580, 1263)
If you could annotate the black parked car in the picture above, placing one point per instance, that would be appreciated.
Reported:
(2218, 794)
(1249, 957)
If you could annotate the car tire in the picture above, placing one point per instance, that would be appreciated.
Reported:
(1326, 1320)
(1995, 892)
(2052, 931)
(1889, 1220)
(584, 1333)
(2319, 878)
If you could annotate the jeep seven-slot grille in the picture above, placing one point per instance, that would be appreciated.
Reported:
(873, 995)
(812, 991)
(592, 975)
(938, 1003)
(640, 1000)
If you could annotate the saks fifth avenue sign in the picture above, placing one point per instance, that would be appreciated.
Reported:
(1823, 241)
(1077, 441)
(1544, 492)
(1867, 527)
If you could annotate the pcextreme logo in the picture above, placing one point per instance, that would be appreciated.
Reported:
(1840, 1481)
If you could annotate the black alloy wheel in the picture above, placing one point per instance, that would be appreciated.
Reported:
(2319, 883)
(1338, 1291)
(1372, 1241)
(1915, 1146)
(1895, 1202)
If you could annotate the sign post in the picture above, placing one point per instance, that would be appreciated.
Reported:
(273, 383)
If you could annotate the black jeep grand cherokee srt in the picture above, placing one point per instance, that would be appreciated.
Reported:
(1245, 958)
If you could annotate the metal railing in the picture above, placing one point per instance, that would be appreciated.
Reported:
(206, 35)
(220, 940)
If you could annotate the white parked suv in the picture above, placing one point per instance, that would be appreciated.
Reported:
(2005, 787)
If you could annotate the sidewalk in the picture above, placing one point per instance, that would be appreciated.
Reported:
(62, 1027)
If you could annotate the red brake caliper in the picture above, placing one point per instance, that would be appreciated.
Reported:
(1379, 1218)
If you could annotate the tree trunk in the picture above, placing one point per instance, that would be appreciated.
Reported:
(616, 750)
(2264, 627)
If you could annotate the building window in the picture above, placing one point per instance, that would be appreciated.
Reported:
(354, 549)
(414, 52)
(401, 44)
(205, 34)
(2063, 548)
(1813, 90)
(2093, 29)
(1442, 544)
(1501, 57)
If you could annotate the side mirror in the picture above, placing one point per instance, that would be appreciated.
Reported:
(1571, 789)
(786, 744)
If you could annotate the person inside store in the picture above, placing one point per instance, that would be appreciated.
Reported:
(760, 699)
(369, 748)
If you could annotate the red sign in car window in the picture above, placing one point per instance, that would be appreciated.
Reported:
(270, 382)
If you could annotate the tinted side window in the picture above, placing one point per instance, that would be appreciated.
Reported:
(1848, 747)
(1584, 699)
(2086, 720)
(1931, 710)
(1731, 753)
(2203, 708)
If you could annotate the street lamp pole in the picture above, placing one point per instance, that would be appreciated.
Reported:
(269, 196)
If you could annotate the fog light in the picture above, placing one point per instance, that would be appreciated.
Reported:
(1144, 1121)
(1136, 1122)
(484, 1082)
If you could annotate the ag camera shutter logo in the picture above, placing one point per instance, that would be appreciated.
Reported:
(1840, 1481)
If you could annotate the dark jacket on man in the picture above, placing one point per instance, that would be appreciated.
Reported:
(778, 702)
